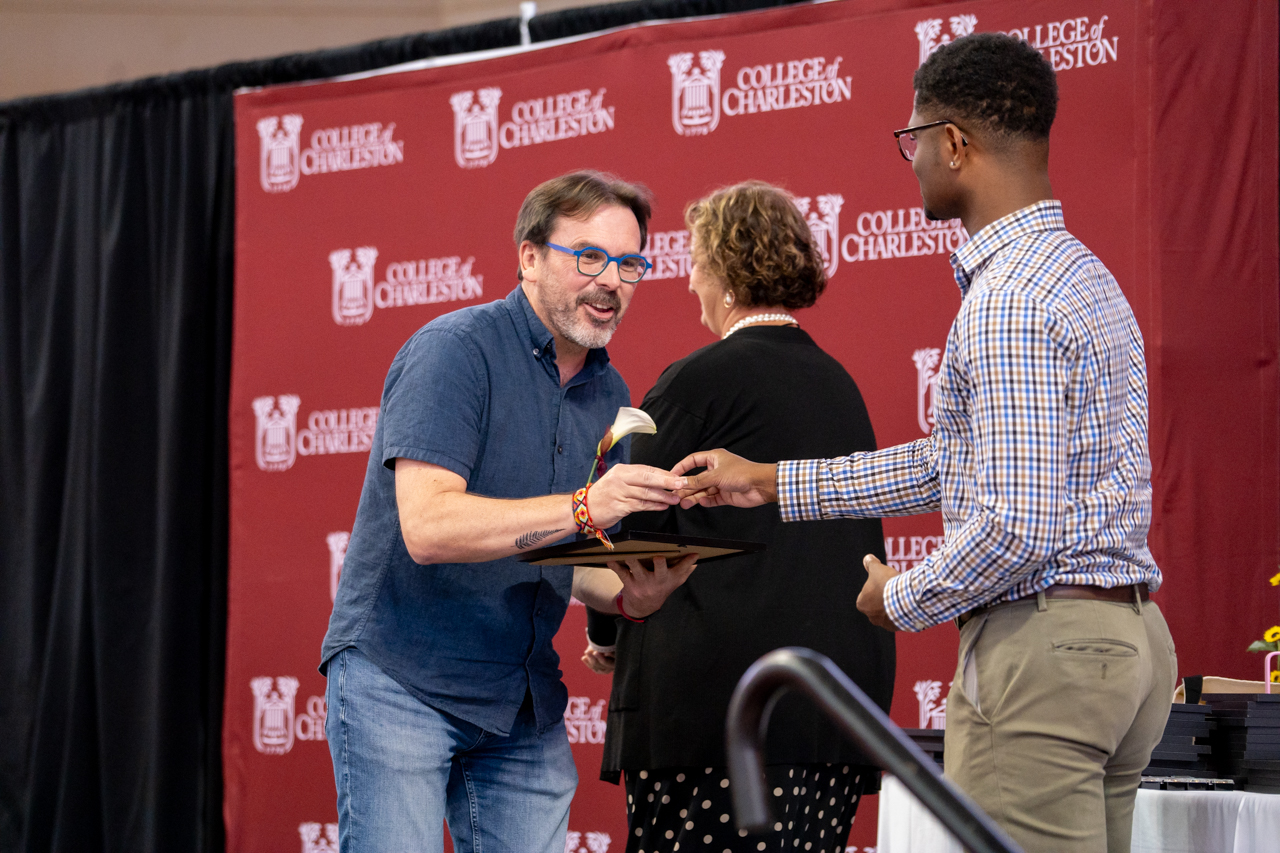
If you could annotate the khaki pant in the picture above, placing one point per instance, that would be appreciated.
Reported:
(1071, 697)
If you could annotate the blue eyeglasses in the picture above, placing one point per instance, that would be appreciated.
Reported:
(593, 261)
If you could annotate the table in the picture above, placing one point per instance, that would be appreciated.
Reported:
(1163, 822)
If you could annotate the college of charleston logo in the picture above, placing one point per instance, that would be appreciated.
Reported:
(589, 842)
(902, 233)
(668, 251)
(425, 281)
(928, 363)
(276, 439)
(583, 721)
(273, 714)
(932, 37)
(824, 223)
(333, 149)
(933, 705)
(337, 542)
(556, 117)
(312, 842)
(475, 127)
(567, 115)
(1069, 43)
(698, 100)
(353, 285)
(1072, 42)
(276, 724)
(903, 553)
(354, 146)
(280, 162)
(695, 92)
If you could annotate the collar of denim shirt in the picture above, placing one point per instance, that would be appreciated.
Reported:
(542, 344)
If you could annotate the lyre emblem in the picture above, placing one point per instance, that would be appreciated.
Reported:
(931, 37)
(273, 712)
(824, 224)
(353, 285)
(590, 842)
(928, 369)
(279, 160)
(312, 842)
(933, 711)
(695, 92)
(337, 543)
(276, 439)
(475, 127)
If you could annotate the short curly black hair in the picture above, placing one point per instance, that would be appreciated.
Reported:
(996, 80)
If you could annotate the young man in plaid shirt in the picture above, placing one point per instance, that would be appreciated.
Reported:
(1040, 467)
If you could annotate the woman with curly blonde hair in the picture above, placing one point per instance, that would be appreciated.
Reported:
(764, 390)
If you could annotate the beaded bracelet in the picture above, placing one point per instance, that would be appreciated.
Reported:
(623, 613)
(582, 517)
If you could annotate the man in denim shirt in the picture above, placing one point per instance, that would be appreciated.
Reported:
(444, 692)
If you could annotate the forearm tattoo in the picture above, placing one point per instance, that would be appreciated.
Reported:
(533, 537)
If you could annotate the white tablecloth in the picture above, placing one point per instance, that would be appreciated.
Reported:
(1163, 822)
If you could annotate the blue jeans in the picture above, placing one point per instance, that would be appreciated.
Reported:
(403, 768)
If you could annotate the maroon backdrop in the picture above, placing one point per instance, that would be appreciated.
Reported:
(367, 207)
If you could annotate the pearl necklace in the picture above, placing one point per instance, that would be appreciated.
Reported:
(758, 318)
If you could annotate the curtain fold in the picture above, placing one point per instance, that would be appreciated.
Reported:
(116, 239)
(115, 281)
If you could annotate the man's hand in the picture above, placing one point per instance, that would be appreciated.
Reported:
(728, 481)
(625, 489)
(644, 591)
(871, 599)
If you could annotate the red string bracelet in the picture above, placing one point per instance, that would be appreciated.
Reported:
(623, 613)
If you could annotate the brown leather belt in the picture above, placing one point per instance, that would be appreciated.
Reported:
(1088, 592)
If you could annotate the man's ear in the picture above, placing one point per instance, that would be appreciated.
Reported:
(531, 257)
(957, 148)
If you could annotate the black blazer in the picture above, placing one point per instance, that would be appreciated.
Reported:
(767, 393)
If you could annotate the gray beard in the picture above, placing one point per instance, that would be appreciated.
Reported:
(582, 332)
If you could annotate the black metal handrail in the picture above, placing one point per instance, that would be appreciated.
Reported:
(863, 722)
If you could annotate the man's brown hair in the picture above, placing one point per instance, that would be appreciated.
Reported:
(578, 195)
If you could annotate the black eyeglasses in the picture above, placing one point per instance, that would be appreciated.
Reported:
(593, 261)
(907, 137)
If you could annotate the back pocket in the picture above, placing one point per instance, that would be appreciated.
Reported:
(1096, 647)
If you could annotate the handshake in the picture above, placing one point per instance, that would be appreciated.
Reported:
(727, 480)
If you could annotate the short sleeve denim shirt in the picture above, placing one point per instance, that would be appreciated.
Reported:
(477, 392)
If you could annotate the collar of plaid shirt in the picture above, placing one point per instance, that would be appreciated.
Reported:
(969, 260)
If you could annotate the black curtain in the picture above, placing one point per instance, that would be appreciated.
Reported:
(116, 242)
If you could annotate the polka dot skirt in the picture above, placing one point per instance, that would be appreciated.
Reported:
(692, 809)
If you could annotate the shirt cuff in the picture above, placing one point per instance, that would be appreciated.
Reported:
(901, 605)
(797, 486)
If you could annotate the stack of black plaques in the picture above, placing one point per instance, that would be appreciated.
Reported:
(1246, 738)
(1184, 749)
(1185, 783)
(929, 741)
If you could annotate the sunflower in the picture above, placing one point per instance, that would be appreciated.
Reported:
(1275, 580)
(1273, 634)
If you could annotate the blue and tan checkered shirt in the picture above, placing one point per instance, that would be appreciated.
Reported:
(1038, 460)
